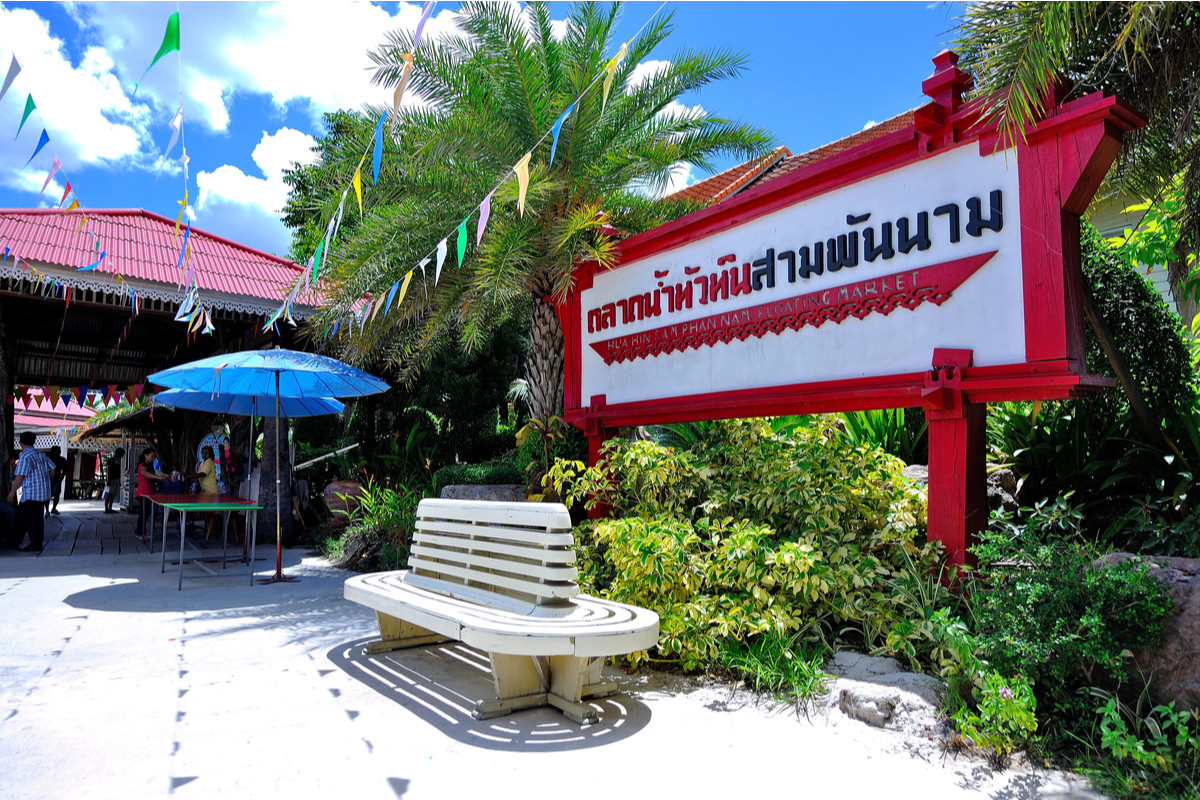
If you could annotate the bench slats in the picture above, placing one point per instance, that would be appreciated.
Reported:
(531, 588)
(543, 516)
(485, 565)
(545, 555)
(467, 530)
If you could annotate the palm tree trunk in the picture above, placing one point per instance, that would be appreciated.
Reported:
(544, 371)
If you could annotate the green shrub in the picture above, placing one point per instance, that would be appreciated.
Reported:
(501, 469)
(1049, 611)
(377, 536)
(753, 532)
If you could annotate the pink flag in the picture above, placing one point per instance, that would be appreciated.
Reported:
(485, 211)
(55, 167)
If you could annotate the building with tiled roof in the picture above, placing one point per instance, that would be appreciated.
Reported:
(728, 183)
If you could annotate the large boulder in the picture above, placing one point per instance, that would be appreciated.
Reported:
(1174, 666)
(507, 492)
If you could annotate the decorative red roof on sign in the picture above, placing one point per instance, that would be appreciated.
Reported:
(142, 246)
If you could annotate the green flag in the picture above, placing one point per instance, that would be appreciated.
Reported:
(29, 107)
(462, 241)
(170, 42)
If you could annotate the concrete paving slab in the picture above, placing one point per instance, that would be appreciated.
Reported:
(115, 685)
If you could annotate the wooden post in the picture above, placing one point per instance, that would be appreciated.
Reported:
(957, 458)
(597, 435)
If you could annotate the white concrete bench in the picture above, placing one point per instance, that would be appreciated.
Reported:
(502, 577)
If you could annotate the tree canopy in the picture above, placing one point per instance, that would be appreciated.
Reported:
(488, 95)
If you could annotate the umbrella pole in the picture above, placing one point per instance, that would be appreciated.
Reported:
(278, 576)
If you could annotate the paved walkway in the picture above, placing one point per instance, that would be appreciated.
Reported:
(115, 685)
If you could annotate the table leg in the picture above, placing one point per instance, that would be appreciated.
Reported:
(252, 534)
(225, 540)
(164, 534)
(182, 536)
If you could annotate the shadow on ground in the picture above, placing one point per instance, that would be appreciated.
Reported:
(441, 683)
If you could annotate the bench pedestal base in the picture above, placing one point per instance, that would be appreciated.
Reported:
(532, 681)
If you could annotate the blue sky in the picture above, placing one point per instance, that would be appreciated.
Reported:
(255, 79)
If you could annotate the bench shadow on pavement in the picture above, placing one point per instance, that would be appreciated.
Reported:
(440, 684)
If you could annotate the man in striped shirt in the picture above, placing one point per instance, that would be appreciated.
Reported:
(34, 474)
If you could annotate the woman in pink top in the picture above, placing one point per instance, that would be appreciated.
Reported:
(146, 474)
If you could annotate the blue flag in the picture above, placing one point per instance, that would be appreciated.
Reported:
(93, 265)
(42, 142)
(391, 294)
(378, 160)
(186, 233)
(558, 127)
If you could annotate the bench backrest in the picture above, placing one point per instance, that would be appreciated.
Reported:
(516, 556)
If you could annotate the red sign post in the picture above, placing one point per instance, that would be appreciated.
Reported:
(931, 267)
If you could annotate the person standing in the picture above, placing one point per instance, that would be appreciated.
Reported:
(113, 479)
(207, 473)
(146, 475)
(33, 477)
(56, 483)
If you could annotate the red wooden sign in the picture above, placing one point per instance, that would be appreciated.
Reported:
(929, 267)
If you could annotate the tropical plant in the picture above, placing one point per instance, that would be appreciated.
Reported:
(491, 94)
(1146, 54)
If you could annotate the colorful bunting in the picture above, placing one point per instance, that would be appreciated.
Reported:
(13, 69)
(441, 256)
(66, 192)
(404, 286)
(391, 294)
(405, 74)
(183, 204)
(316, 264)
(43, 140)
(556, 128)
(82, 222)
(74, 205)
(357, 182)
(183, 250)
(522, 170)
(29, 107)
(462, 241)
(170, 42)
(176, 126)
(378, 157)
(93, 265)
(611, 70)
(485, 211)
(54, 168)
(425, 12)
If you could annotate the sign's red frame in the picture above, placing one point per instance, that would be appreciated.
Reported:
(1064, 158)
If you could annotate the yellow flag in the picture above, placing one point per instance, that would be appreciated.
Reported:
(82, 222)
(522, 170)
(358, 187)
(405, 74)
(183, 204)
(404, 287)
(74, 205)
(611, 69)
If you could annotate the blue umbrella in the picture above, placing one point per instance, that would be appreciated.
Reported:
(277, 374)
(244, 405)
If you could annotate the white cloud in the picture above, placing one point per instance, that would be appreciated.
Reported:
(90, 119)
(245, 207)
(646, 70)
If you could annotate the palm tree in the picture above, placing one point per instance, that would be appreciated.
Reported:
(491, 94)
(1148, 54)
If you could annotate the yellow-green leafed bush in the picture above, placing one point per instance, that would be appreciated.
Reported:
(751, 532)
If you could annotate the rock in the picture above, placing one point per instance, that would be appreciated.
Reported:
(916, 472)
(1174, 666)
(1002, 490)
(881, 693)
(500, 491)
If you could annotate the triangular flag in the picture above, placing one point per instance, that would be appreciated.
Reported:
(66, 192)
(170, 42)
(391, 294)
(441, 256)
(183, 204)
(134, 392)
(74, 205)
(43, 140)
(462, 241)
(404, 286)
(376, 305)
(83, 391)
(425, 11)
(522, 170)
(377, 159)
(317, 258)
(405, 74)
(183, 249)
(75, 392)
(357, 183)
(82, 221)
(485, 211)
(611, 70)
(94, 264)
(424, 263)
(52, 395)
(54, 168)
(13, 69)
(556, 128)
(29, 107)
(176, 126)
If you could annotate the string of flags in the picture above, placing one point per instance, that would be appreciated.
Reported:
(368, 306)
(83, 396)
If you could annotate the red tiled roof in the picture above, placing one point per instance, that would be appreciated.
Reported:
(141, 245)
(792, 163)
(724, 184)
